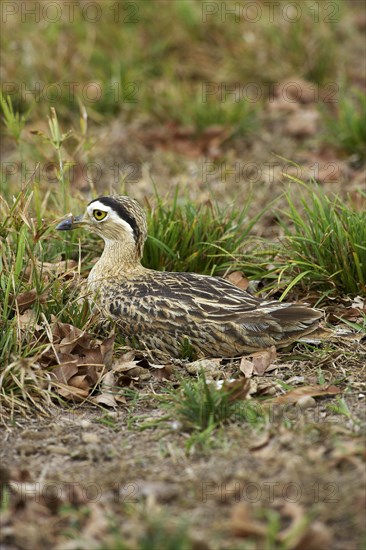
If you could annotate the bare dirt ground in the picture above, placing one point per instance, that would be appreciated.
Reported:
(87, 477)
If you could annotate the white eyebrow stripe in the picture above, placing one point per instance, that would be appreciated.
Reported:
(97, 205)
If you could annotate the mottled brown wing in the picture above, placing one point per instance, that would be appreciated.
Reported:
(214, 314)
(202, 298)
(211, 296)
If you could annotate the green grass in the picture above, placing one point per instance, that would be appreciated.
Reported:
(346, 128)
(203, 406)
(205, 105)
(358, 327)
(156, 532)
(324, 248)
(28, 258)
(207, 239)
(325, 243)
(208, 49)
(13, 120)
(296, 43)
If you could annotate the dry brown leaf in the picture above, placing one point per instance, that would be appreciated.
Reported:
(64, 268)
(303, 123)
(317, 535)
(243, 525)
(128, 356)
(106, 349)
(293, 396)
(246, 367)
(81, 360)
(239, 389)
(107, 396)
(79, 381)
(263, 359)
(65, 371)
(209, 366)
(162, 372)
(124, 367)
(75, 337)
(238, 279)
(27, 319)
(106, 399)
(261, 442)
(27, 299)
(261, 362)
(71, 393)
(295, 513)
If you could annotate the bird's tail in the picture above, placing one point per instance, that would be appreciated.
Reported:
(297, 321)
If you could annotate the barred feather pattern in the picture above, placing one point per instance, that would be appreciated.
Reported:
(164, 310)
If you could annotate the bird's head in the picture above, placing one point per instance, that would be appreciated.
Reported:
(115, 218)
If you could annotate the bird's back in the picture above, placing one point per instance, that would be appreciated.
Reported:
(165, 310)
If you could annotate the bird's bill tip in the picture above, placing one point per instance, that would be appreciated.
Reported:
(69, 223)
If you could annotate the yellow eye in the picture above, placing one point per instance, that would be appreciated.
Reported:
(99, 215)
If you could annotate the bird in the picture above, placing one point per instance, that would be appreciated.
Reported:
(164, 312)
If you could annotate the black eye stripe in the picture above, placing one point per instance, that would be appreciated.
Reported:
(122, 213)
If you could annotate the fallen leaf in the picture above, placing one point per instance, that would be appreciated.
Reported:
(263, 359)
(71, 393)
(237, 278)
(27, 299)
(65, 371)
(27, 320)
(209, 366)
(246, 367)
(261, 362)
(124, 367)
(243, 525)
(317, 535)
(81, 360)
(162, 372)
(260, 442)
(106, 397)
(303, 123)
(80, 382)
(295, 513)
(293, 396)
(239, 389)
(300, 535)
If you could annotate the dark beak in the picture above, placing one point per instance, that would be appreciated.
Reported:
(70, 223)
